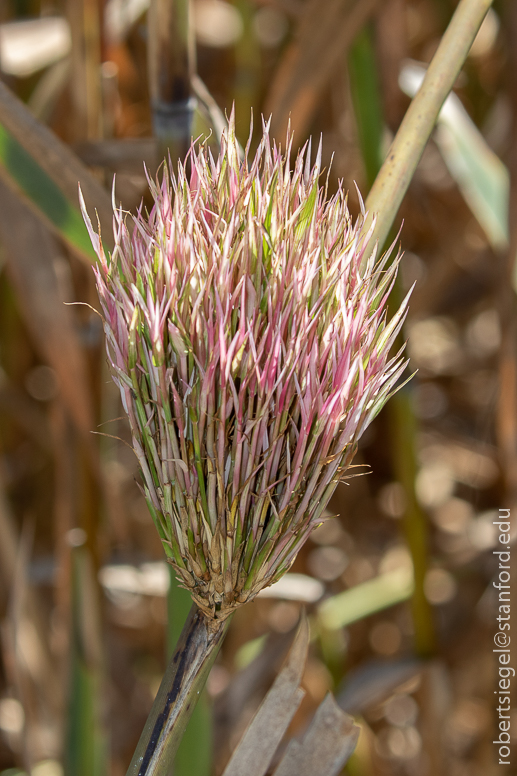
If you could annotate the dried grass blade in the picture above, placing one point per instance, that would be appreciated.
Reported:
(326, 747)
(259, 743)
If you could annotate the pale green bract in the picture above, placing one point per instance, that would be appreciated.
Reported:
(251, 351)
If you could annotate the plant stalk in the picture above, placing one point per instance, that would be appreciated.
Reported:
(181, 685)
(406, 150)
(194, 754)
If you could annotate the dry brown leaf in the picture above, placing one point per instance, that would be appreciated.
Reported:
(327, 745)
(269, 724)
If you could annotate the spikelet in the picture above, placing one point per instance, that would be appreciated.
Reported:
(251, 350)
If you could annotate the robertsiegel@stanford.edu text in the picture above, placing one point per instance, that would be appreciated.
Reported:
(502, 639)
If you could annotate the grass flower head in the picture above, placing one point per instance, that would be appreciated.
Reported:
(250, 344)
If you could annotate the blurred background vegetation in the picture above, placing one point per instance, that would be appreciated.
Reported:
(398, 585)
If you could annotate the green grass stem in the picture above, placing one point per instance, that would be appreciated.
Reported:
(369, 118)
(406, 150)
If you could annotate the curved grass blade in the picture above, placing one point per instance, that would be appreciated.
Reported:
(481, 176)
(366, 599)
(41, 169)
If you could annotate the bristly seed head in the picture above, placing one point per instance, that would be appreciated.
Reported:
(251, 350)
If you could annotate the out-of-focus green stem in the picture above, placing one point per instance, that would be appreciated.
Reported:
(184, 679)
(86, 741)
(369, 119)
(367, 103)
(398, 169)
(384, 201)
(414, 523)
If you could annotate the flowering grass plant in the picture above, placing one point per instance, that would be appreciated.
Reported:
(248, 337)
